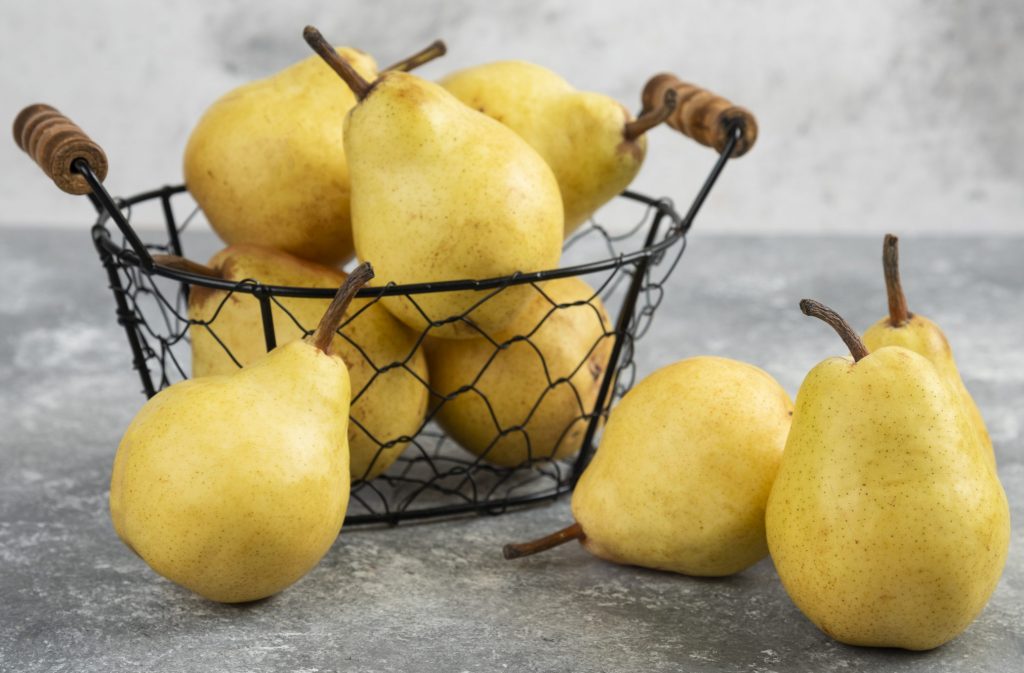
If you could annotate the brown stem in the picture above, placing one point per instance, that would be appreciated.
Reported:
(573, 532)
(899, 314)
(846, 333)
(323, 337)
(436, 49)
(360, 87)
(187, 265)
(651, 118)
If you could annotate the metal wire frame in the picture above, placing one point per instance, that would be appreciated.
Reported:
(460, 484)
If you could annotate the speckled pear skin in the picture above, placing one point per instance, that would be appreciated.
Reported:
(924, 337)
(682, 474)
(443, 192)
(579, 133)
(267, 165)
(395, 402)
(886, 523)
(571, 343)
(234, 486)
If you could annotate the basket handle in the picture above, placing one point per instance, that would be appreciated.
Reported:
(55, 142)
(702, 115)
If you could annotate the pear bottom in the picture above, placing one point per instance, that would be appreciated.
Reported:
(235, 486)
(683, 472)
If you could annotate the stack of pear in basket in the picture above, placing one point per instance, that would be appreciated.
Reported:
(480, 176)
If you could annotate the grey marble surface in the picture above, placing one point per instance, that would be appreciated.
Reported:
(438, 596)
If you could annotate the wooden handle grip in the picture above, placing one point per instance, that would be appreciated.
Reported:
(702, 115)
(54, 142)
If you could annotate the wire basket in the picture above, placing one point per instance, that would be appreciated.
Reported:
(626, 263)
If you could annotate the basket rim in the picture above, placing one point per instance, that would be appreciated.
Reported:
(663, 207)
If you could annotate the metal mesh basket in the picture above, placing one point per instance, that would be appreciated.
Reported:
(626, 261)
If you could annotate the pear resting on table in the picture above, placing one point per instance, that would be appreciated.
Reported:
(682, 474)
(235, 485)
(388, 370)
(887, 522)
(921, 335)
(266, 162)
(443, 192)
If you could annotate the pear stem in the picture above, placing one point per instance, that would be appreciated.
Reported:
(648, 120)
(360, 87)
(518, 550)
(323, 337)
(899, 313)
(818, 310)
(436, 49)
(182, 264)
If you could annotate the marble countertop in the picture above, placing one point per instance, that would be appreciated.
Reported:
(438, 596)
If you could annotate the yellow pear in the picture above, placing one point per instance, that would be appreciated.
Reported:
(887, 524)
(441, 192)
(592, 143)
(266, 161)
(547, 384)
(683, 471)
(387, 404)
(921, 335)
(234, 486)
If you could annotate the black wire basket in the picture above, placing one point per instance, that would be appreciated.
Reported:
(626, 265)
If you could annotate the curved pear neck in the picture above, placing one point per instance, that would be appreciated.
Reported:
(648, 120)
(849, 336)
(323, 337)
(559, 537)
(359, 86)
(899, 313)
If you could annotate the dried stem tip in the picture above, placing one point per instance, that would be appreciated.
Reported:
(573, 532)
(651, 118)
(436, 49)
(360, 87)
(846, 333)
(899, 314)
(323, 337)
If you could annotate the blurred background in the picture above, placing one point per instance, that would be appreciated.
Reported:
(874, 115)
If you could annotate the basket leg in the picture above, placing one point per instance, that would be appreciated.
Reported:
(125, 316)
(612, 370)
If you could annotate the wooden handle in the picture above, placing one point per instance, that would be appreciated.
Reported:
(702, 115)
(54, 142)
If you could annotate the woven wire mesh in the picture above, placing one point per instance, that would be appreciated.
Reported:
(433, 475)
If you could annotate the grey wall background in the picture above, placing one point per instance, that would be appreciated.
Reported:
(875, 115)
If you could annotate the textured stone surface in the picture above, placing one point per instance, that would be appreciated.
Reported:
(438, 596)
(871, 113)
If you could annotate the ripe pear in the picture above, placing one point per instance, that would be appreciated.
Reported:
(887, 525)
(547, 383)
(592, 143)
(234, 486)
(441, 192)
(682, 474)
(387, 404)
(921, 335)
(266, 161)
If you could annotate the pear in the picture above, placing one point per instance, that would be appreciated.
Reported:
(387, 369)
(592, 143)
(441, 192)
(542, 374)
(682, 474)
(266, 161)
(234, 486)
(887, 525)
(921, 335)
